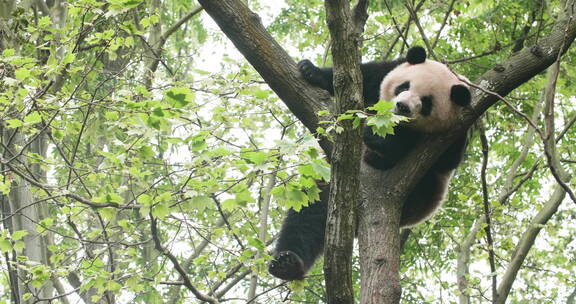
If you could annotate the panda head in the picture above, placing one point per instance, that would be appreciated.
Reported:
(426, 91)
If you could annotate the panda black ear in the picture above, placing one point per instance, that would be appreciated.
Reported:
(416, 54)
(460, 95)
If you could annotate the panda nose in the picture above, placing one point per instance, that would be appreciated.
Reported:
(402, 108)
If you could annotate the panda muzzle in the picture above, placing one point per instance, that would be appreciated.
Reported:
(403, 109)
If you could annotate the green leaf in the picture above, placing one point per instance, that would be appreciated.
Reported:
(108, 213)
(19, 246)
(8, 53)
(179, 97)
(135, 284)
(229, 205)
(18, 235)
(44, 224)
(154, 122)
(113, 286)
(160, 211)
(158, 112)
(44, 22)
(257, 158)
(307, 170)
(5, 245)
(296, 195)
(69, 58)
(382, 106)
(356, 122)
(14, 123)
(322, 169)
(244, 196)
(345, 117)
(144, 199)
(22, 73)
(109, 198)
(5, 185)
(200, 203)
(254, 242)
(33, 118)
(146, 152)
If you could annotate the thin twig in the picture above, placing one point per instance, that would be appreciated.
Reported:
(486, 202)
(408, 6)
(225, 218)
(183, 274)
(443, 23)
(400, 31)
(566, 128)
(266, 291)
(405, 27)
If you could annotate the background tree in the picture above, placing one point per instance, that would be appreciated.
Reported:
(144, 160)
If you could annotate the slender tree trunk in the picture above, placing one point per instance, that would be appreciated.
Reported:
(27, 213)
(262, 230)
(346, 155)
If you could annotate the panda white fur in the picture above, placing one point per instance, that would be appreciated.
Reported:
(429, 94)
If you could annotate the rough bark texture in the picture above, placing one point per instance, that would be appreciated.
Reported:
(384, 191)
(383, 195)
(376, 233)
(346, 155)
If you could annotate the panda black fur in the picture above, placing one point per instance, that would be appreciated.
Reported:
(429, 94)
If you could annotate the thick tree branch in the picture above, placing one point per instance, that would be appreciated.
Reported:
(244, 29)
(360, 15)
(525, 64)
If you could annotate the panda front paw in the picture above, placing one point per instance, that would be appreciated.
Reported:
(288, 266)
(376, 161)
(311, 73)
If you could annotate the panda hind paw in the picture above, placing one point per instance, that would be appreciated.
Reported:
(288, 266)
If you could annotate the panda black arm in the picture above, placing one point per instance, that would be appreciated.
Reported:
(372, 73)
(318, 77)
(384, 152)
(451, 158)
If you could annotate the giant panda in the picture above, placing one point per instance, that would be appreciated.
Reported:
(431, 96)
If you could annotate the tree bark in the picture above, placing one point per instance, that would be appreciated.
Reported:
(346, 155)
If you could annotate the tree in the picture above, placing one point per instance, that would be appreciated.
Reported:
(135, 169)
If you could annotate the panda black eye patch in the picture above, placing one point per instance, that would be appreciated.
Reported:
(426, 105)
(405, 86)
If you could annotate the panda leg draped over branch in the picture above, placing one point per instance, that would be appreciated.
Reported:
(429, 94)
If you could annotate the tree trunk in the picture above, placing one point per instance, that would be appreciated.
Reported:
(379, 241)
(26, 214)
(346, 155)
